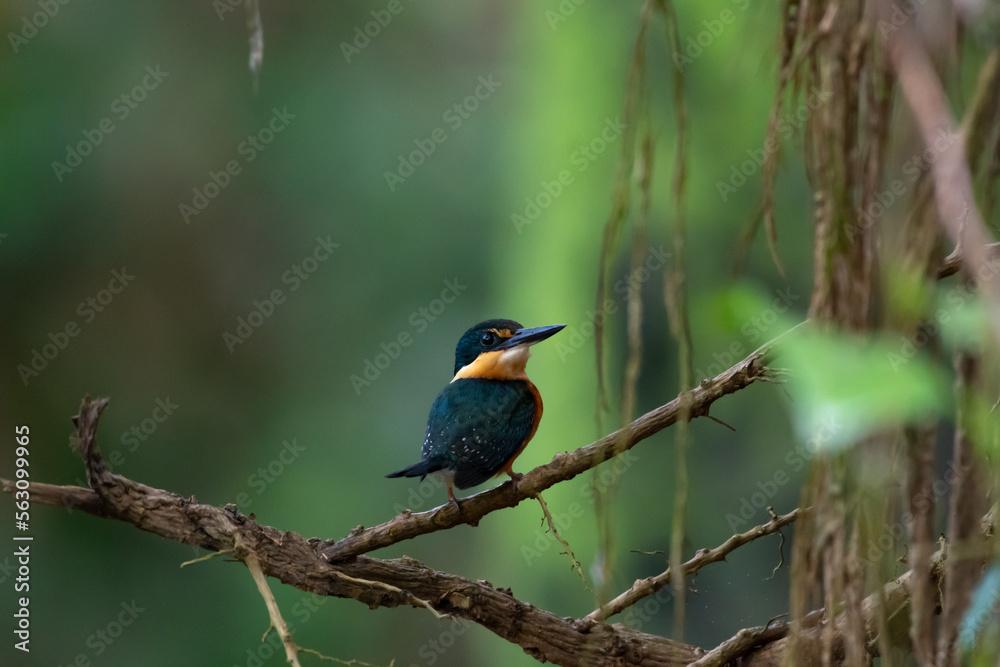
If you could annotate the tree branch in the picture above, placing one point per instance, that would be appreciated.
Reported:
(748, 639)
(645, 587)
(563, 467)
(293, 560)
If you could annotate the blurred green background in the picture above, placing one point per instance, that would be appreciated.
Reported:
(556, 74)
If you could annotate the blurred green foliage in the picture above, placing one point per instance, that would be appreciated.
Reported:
(274, 422)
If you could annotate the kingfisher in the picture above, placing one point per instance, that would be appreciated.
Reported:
(489, 412)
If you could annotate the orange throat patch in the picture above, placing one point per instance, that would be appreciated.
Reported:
(498, 365)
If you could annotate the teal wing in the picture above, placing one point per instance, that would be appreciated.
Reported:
(476, 426)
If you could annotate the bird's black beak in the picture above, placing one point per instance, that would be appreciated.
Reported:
(530, 336)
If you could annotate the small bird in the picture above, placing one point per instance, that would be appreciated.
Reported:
(485, 417)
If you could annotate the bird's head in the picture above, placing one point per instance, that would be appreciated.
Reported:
(498, 349)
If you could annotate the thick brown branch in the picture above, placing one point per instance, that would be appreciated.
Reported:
(563, 467)
(71, 497)
(293, 560)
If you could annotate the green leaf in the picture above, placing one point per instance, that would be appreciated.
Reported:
(748, 311)
(963, 319)
(846, 387)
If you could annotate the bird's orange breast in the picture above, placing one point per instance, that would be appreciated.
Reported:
(534, 427)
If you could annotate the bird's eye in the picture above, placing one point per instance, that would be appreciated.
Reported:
(488, 338)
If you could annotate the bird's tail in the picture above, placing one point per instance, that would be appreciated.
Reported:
(420, 470)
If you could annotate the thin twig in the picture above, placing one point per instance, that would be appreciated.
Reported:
(564, 543)
(350, 663)
(719, 421)
(645, 587)
(392, 589)
(781, 555)
(277, 622)
(256, 29)
(208, 556)
(620, 200)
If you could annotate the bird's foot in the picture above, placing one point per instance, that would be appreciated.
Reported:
(515, 477)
